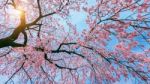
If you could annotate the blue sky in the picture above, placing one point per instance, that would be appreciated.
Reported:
(79, 20)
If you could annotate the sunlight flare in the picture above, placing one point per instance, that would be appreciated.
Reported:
(16, 12)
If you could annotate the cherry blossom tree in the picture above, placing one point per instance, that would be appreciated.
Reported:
(40, 44)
